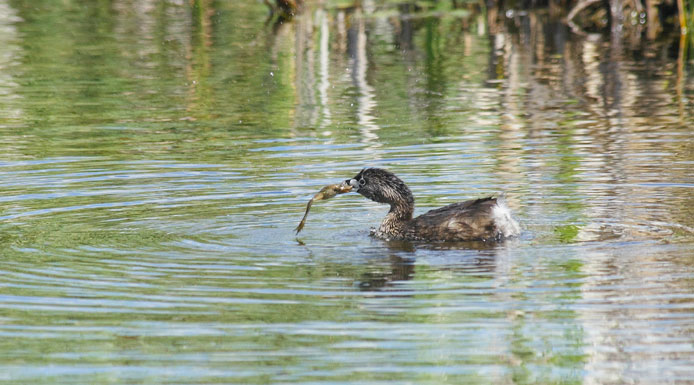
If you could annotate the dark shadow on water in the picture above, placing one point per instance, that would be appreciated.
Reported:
(401, 269)
(477, 259)
(410, 246)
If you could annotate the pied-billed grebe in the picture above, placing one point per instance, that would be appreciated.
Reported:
(484, 219)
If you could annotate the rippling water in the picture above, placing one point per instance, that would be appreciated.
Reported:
(156, 158)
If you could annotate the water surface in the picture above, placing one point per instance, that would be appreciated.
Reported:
(155, 158)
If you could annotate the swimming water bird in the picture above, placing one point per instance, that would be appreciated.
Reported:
(485, 219)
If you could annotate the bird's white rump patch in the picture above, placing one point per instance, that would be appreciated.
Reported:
(508, 227)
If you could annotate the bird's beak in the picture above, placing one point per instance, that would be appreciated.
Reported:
(351, 182)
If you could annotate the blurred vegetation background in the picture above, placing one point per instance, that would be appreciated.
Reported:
(647, 19)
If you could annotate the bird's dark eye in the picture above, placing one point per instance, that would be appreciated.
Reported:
(362, 182)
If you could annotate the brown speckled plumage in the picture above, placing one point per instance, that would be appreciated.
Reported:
(479, 219)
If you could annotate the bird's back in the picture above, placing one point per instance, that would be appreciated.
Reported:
(478, 219)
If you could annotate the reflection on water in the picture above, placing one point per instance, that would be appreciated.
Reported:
(157, 155)
(8, 58)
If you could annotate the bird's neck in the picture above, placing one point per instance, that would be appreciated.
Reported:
(402, 207)
(396, 222)
(399, 216)
(400, 213)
